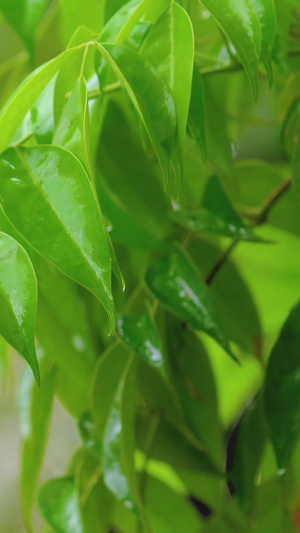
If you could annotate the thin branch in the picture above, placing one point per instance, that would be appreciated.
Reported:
(258, 219)
(210, 71)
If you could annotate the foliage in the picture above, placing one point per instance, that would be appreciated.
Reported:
(156, 147)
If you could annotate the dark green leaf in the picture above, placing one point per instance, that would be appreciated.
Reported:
(150, 96)
(239, 22)
(177, 284)
(266, 14)
(18, 300)
(34, 410)
(217, 215)
(282, 390)
(52, 187)
(140, 333)
(59, 505)
(197, 112)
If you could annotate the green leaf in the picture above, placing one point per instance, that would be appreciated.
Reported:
(238, 20)
(23, 16)
(195, 385)
(60, 217)
(179, 286)
(97, 502)
(140, 333)
(217, 216)
(247, 455)
(76, 13)
(197, 112)
(72, 131)
(265, 10)
(18, 300)
(149, 95)
(282, 390)
(59, 505)
(25, 96)
(35, 407)
(170, 47)
(113, 407)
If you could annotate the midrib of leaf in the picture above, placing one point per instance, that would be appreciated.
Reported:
(23, 160)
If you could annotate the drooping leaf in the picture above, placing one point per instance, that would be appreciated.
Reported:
(247, 454)
(265, 10)
(18, 300)
(239, 22)
(72, 131)
(60, 217)
(178, 286)
(140, 333)
(34, 412)
(216, 216)
(282, 406)
(25, 96)
(150, 96)
(197, 112)
(23, 16)
(113, 409)
(196, 388)
(59, 505)
(170, 47)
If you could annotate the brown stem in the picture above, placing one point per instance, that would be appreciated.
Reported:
(220, 262)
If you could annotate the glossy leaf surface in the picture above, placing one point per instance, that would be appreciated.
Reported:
(177, 285)
(140, 333)
(113, 411)
(59, 505)
(60, 217)
(265, 10)
(282, 390)
(141, 80)
(170, 47)
(35, 406)
(197, 113)
(18, 300)
(216, 216)
(239, 22)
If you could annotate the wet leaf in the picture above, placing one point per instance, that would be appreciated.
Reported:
(18, 300)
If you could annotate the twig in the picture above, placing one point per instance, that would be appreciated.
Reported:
(258, 219)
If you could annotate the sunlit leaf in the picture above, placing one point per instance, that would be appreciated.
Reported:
(18, 299)
(265, 10)
(53, 219)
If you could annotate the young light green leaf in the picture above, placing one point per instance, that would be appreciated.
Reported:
(217, 215)
(196, 117)
(76, 13)
(150, 96)
(60, 217)
(23, 16)
(140, 333)
(238, 20)
(72, 131)
(34, 411)
(179, 286)
(265, 10)
(282, 388)
(113, 409)
(18, 300)
(25, 96)
(59, 505)
(170, 47)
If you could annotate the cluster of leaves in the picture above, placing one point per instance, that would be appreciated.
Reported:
(144, 154)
